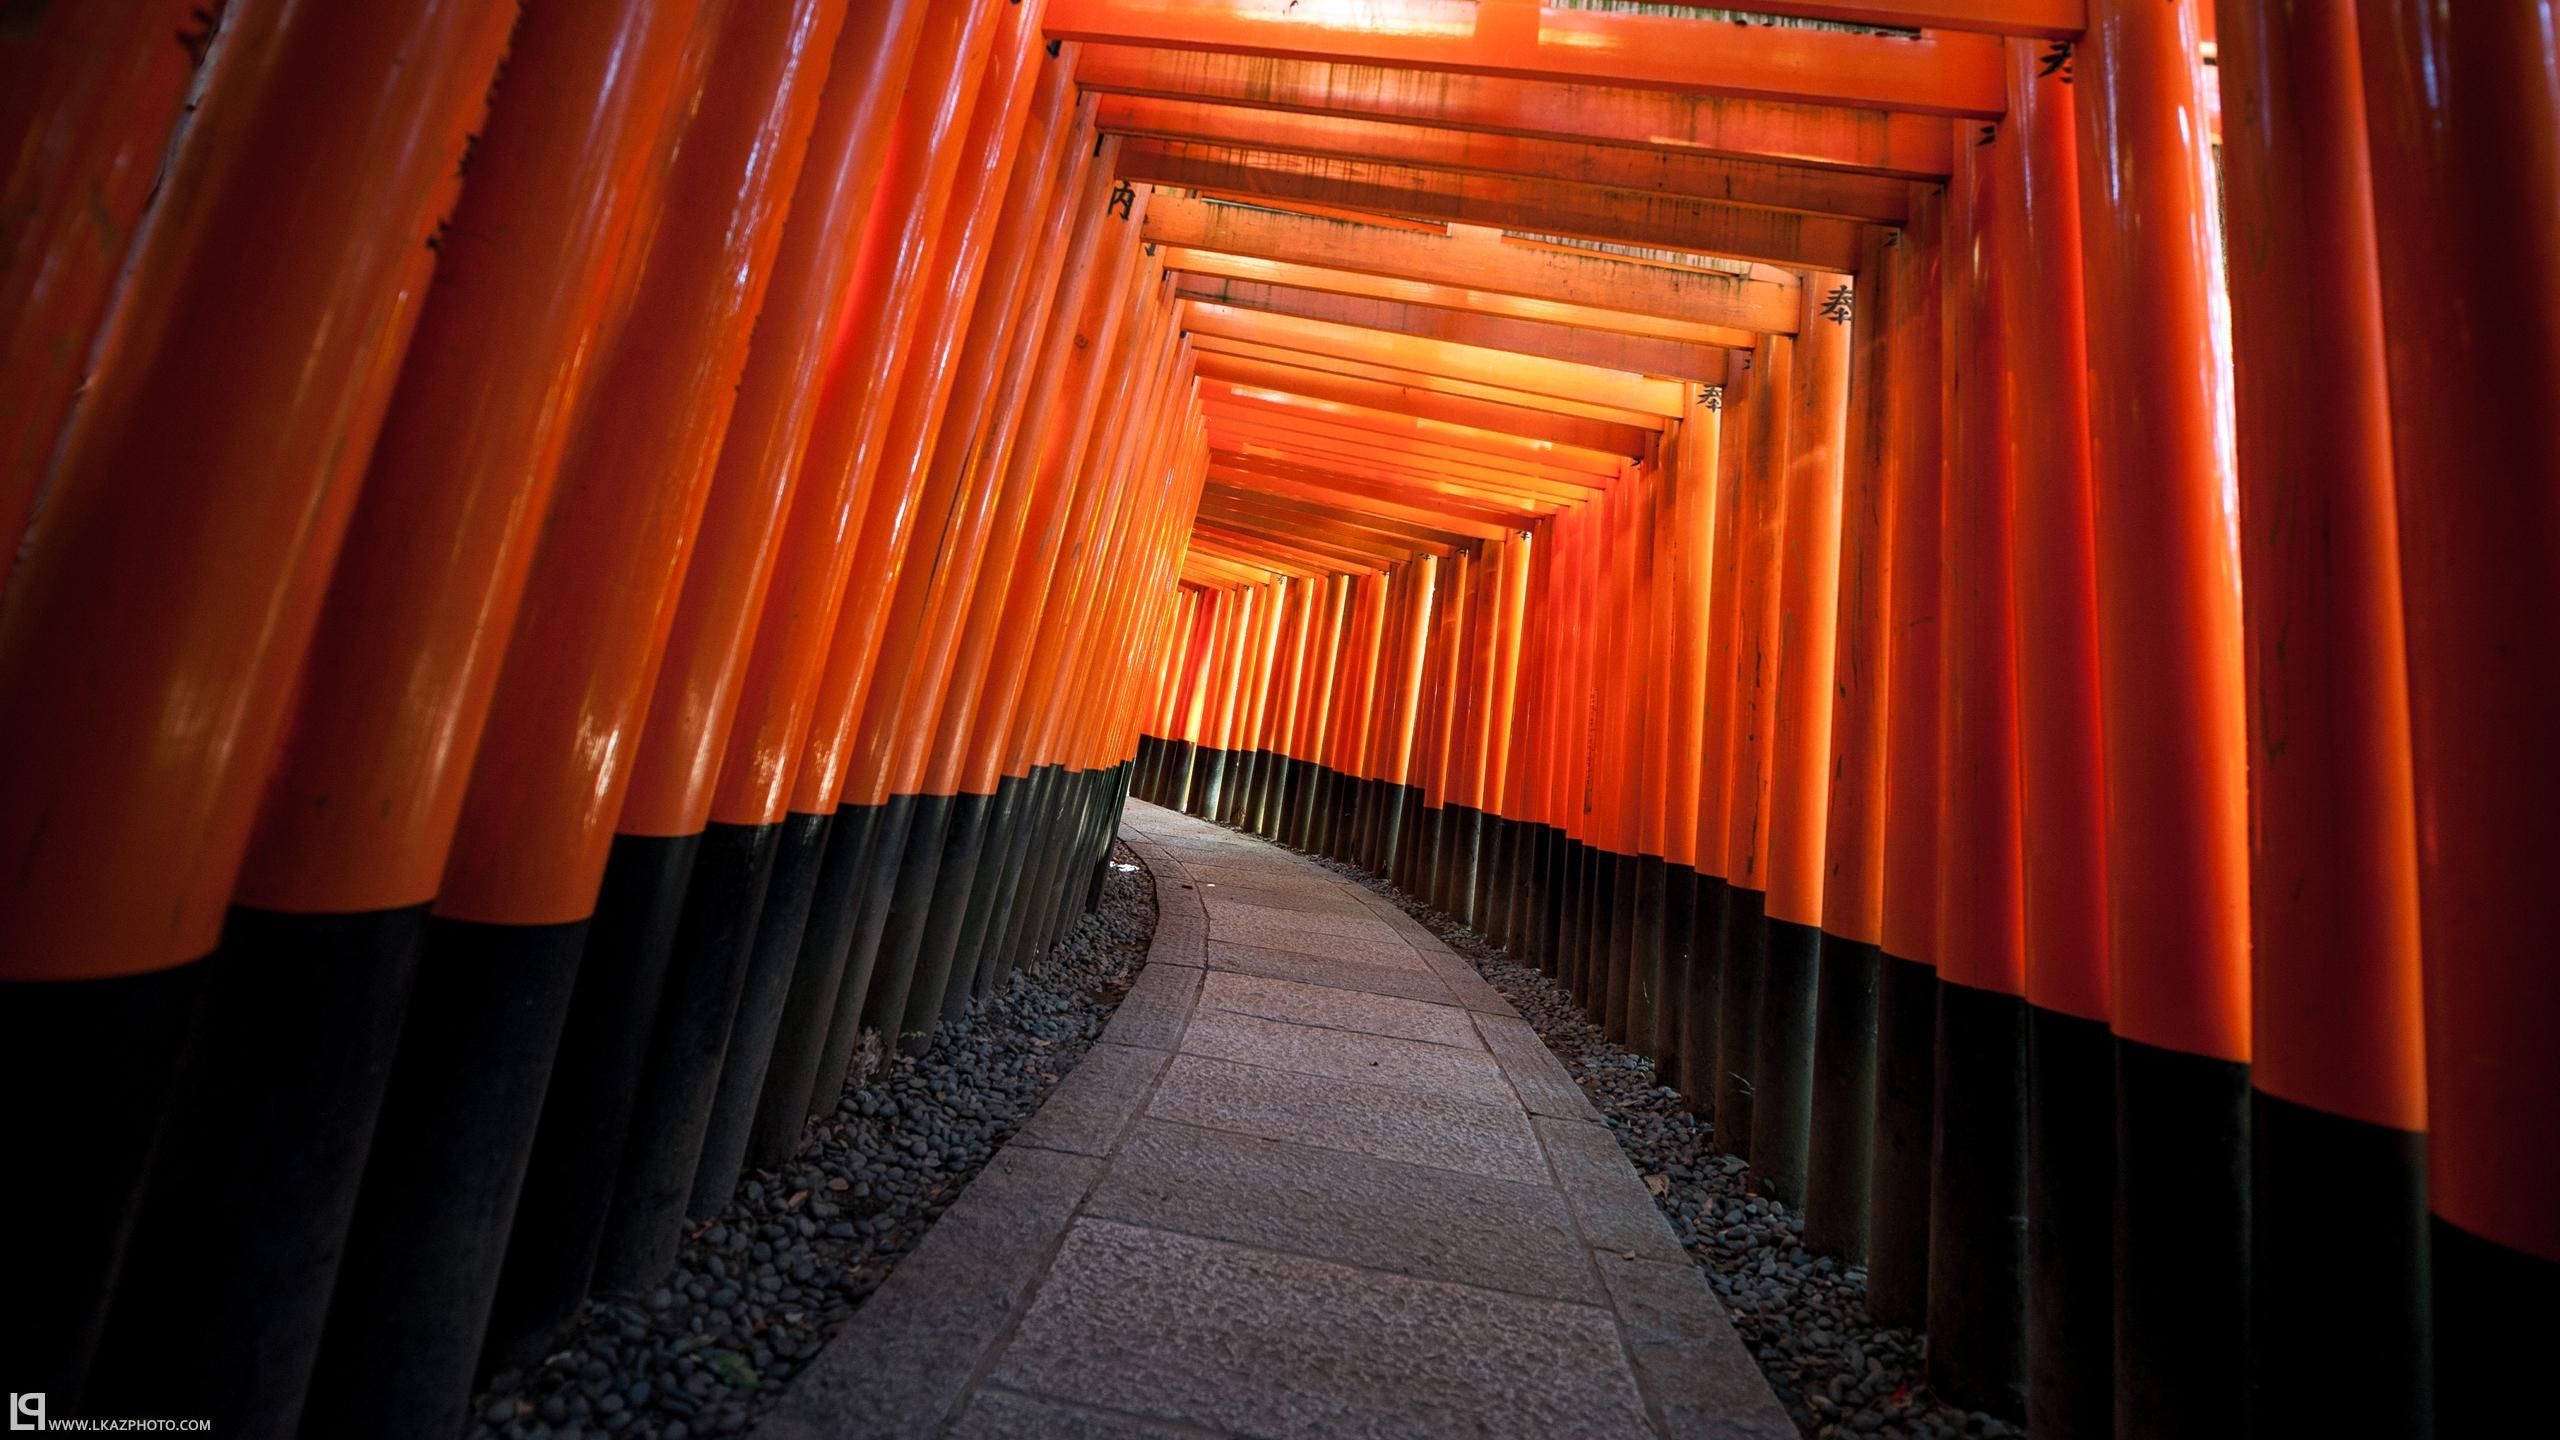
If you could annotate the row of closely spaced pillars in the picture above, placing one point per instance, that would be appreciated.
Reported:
(605, 550)
(2038, 752)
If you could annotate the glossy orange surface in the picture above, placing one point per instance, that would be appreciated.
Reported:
(2168, 562)
(532, 284)
(153, 628)
(2463, 131)
(806, 308)
(556, 759)
(1808, 604)
(2061, 797)
(89, 97)
(1981, 903)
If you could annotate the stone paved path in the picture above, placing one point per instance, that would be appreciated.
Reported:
(1318, 1180)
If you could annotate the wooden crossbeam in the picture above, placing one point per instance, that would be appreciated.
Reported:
(1642, 355)
(1930, 73)
(1878, 142)
(1757, 183)
(1764, 299)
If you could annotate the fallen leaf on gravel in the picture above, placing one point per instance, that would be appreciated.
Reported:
(1658, 1183)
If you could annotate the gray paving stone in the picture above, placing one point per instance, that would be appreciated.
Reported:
(1610, 1202)
(1362, 926)
(1534, 1070)
(1416, 1065)
(901, 1364)
(1264, 877)
(1411, 981)
(1281, 1346)
(1691, 1363)
(1003, 1415)
(1377, 1214)
(1391, 1124)
(1304, 1004)
(1097, 1100)
(1465, 984)
(1152, 1014)
(1304, 899)
(1365, 949)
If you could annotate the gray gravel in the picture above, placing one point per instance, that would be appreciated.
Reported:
(1803, 1317)
(759, 1290)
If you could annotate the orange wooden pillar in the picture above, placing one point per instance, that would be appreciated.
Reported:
(2337, 1120)
(1907, 903)
(1760, 519)
(1151, 365)
(89, 97)
(1689, 580)
(219, 1310)
(2463, 129)
(1806, 618)
(783, 759)
(1841, 1146)
(676, 931)
(156, 621)
(967, 462)
(1701, 1047)
(2175, 719)
(939, 718)
(529, 853)
(1491, 876)
(1403, 712)
(1977, 1170)
(987, 229)
(2070, 1063)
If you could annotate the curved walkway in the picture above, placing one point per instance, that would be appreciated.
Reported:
(1318, 1180)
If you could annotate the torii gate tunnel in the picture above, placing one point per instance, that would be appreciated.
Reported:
(1978, 578)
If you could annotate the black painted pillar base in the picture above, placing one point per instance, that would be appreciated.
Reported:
(2497, 1317)
(586, 1106)
(1841, 1146)
(1546, 906)
(1619, 881)
(973, 970)
(1678, 927)
(1645, 952)
(1782, 1059)
(1906, 1109)
(227, 1273)
(818, 974)
(1746, 933)
(1978, 1203)
(1208, 766)
(106, 1057)
(1032, 793)
(587, 1111)
(1572, 935)
(1496, 895)
(918, 863)
(2340, 1285)
(1701, 1048)
(2071, 1187)
(431, 1222)
(874, 881)
(2182, 1241)
(1395, 803)
(672, 1112)
(773, 969)
(757, 1127)
(1009, 920)
(941, 991)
